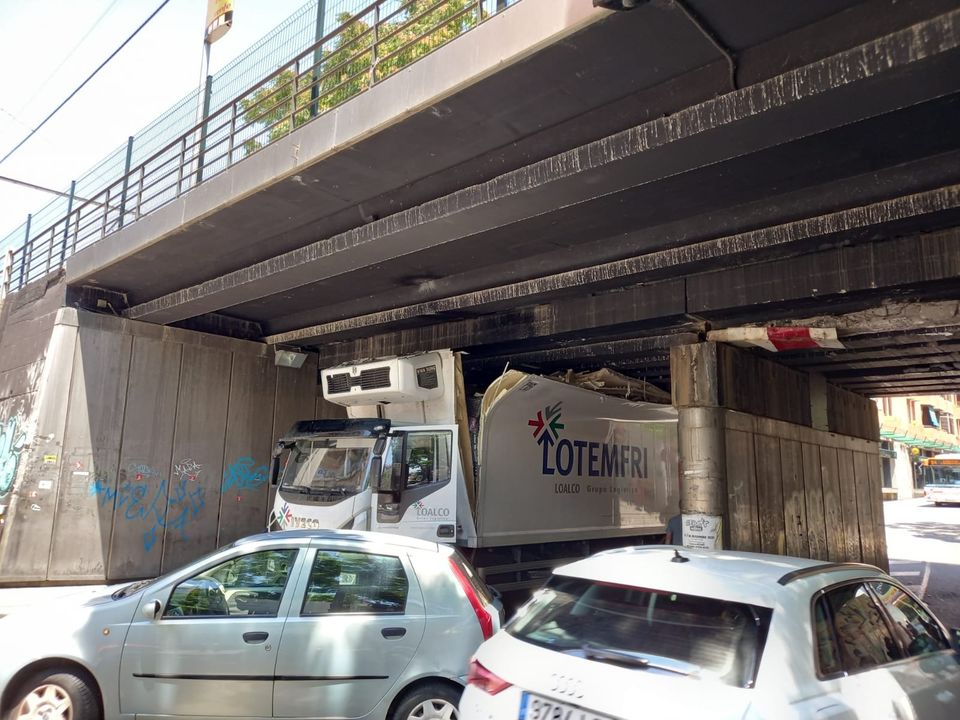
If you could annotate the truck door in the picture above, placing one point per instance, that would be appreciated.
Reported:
(418, 491)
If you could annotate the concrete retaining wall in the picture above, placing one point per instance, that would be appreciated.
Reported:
(131, 447)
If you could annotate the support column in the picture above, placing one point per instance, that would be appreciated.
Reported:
(703, 467)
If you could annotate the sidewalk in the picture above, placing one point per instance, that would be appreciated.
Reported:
(15, 599)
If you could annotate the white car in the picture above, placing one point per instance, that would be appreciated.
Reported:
(298, 624)
(658, 631)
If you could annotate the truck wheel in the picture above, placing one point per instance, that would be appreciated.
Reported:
(55, 694)
(433, 701)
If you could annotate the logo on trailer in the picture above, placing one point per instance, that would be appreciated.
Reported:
(583, 458)
(546, 425)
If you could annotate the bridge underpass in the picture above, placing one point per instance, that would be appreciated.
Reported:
(826, 190)
(808, 176)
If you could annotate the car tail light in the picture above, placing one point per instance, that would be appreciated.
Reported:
(481, 678)
(484, 617)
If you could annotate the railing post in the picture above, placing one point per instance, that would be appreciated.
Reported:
(233, 132)
(106, 213)
(293, 96)
(26, 251)
(76, 233)
(7, 272)
(66, 223)
(207, 93)
(126, 182)
(183, 160)
(479, 11)
(139, 204)
(373, 47)
(317, 58)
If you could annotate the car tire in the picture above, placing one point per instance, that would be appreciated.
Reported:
(56, 693)
(433, 701)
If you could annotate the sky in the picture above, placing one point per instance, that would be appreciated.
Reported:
(48, 47)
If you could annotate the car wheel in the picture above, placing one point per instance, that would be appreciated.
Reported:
(55, 695)
(434, 701)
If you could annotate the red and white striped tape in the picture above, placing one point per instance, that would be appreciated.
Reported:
(778, 339)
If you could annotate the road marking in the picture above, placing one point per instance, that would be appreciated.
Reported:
(905, 573)
(926, 579)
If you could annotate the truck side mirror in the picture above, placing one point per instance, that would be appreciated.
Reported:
(274, 469)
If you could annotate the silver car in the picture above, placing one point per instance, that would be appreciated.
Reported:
(299, 624)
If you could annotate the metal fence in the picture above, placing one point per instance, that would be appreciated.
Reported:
(366, 46)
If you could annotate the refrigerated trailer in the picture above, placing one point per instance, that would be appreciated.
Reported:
(528, 476)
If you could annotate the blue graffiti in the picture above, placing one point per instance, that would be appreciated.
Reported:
(12, 442)
(244, 474)
(159, 505)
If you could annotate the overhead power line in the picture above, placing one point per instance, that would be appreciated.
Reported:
(69, 55)
(81, 85)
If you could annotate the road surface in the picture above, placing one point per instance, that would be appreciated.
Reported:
(923, 544)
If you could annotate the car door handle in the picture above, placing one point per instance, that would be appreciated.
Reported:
(393, 632)
(255, 637)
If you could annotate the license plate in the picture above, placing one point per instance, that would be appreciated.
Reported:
(536, 707)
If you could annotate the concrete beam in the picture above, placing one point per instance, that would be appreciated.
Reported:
(501, 41)
(742, 248)
(727, 127)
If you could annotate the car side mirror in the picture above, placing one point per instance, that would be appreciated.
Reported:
(151, 609)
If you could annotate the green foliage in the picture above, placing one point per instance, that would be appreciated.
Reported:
(348, 68)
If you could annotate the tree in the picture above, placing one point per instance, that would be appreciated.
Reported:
(348, 68)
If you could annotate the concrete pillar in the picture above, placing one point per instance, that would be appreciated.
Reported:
(703, 467)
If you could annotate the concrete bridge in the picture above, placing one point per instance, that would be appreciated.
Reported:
(561, 186)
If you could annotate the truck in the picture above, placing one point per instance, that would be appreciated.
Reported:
(529, 474)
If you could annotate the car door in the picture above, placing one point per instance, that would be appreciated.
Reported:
(425, 506)
(356, 622)
(211, 650)
(855, 646)
(930, 675)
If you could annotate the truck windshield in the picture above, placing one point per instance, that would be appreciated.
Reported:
(331, 468)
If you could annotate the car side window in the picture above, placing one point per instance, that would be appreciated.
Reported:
(355, 582)
(914, 627)
(857, 631)
(247, 585)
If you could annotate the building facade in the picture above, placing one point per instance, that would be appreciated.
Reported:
(912, 428)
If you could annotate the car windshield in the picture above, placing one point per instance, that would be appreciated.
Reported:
(329, 467)
(646, 629)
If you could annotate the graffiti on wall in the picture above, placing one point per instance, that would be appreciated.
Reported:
(12, 442)
(148, 498)
(244, 474)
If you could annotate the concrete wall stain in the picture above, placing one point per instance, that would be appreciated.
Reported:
(152, 500)
(12, 442)
(244, 474)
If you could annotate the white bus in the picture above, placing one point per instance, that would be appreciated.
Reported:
(941, 478)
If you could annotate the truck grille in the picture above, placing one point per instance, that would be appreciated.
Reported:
(372, 379)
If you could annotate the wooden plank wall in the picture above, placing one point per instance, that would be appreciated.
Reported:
(155, 450)
(798, 491)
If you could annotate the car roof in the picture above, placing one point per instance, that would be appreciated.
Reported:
(343, 535)
(753, 578)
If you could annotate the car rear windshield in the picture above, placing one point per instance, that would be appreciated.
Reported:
(646, 629)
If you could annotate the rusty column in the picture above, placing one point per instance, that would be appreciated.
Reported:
(703, 468)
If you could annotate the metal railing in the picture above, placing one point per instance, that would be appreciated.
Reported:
(373, 44)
